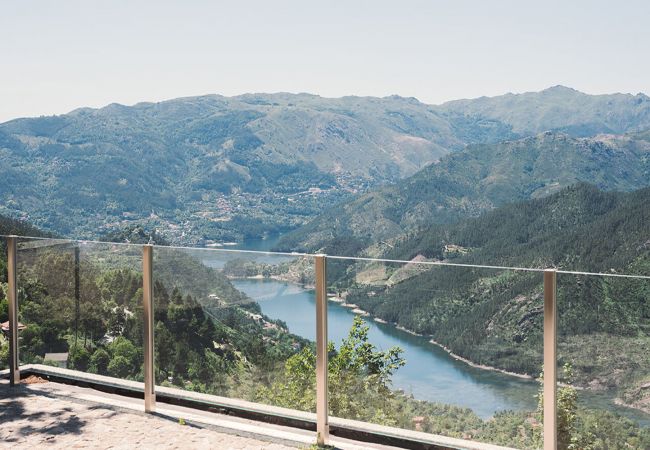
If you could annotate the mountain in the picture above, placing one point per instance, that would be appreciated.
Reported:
(216, 167)
(561, 109)
(211, 168)
(475, 180)
(494, 317)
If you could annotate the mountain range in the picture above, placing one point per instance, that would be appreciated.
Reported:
(213, 168)
(477, 179)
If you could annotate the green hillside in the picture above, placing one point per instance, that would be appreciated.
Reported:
(475, 180)
(216, 168)
(494, 317)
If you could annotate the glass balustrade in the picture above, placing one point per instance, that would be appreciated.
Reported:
(603, 361)
(433, 348)
(443, 350)
(80, 306)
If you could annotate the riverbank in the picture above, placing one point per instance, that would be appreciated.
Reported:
(641, 407)
(432, 374)
(480, 366)
(358, 311)
(355, 309)
(307, 287)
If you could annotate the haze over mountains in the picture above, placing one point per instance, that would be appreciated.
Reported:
(214, 168)
(563, 109)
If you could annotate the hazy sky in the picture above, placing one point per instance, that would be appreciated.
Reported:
(59, 55)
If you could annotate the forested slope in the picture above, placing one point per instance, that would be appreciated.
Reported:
(476, 180)
(494, 317)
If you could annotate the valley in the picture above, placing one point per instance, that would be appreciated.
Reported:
(214, 168)
(555, 178)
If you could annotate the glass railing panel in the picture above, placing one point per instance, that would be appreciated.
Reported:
(4, 302)
(81, 306)
(450, 351)
(233, 323)
(603, 361)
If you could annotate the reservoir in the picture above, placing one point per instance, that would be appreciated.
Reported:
(429, 373)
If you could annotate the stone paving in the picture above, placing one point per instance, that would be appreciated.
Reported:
(33, 418)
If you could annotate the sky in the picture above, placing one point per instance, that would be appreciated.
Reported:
(56, 56)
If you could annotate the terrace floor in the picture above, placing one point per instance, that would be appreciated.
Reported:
(61, 408)
(41, 414)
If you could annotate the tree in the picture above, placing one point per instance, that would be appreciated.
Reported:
(78, 358)
(569, 436)
(99, 361)
(359, 379)
(120, 367)
(125, 358)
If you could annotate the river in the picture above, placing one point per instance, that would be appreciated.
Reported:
(429, 374)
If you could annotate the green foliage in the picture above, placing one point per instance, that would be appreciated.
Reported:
(120, 367)
(4, 304)
(121, 347)
(476, 180)
(568, 436)
(135, 234)
(359, 379)
(99, 362)
(4, 353)
(78, 358)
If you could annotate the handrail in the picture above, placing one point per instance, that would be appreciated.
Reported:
(353, 258)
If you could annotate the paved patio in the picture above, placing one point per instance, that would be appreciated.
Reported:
(49, 415)
(53, 414)
(42, 414)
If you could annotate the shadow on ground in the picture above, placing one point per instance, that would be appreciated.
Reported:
(14, 409)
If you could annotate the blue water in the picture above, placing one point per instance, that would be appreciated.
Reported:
(429, 373)
(218, 256)
(260, 244)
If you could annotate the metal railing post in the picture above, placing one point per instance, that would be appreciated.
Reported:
(147, 297)
(12, 296)
(77, 295)
(550, 359)
(322, 420)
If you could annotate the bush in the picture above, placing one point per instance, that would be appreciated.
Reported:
(4, 353)
(78, 358)
(99, 362)
(120, 367)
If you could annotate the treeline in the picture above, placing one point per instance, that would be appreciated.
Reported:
(10, 226)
